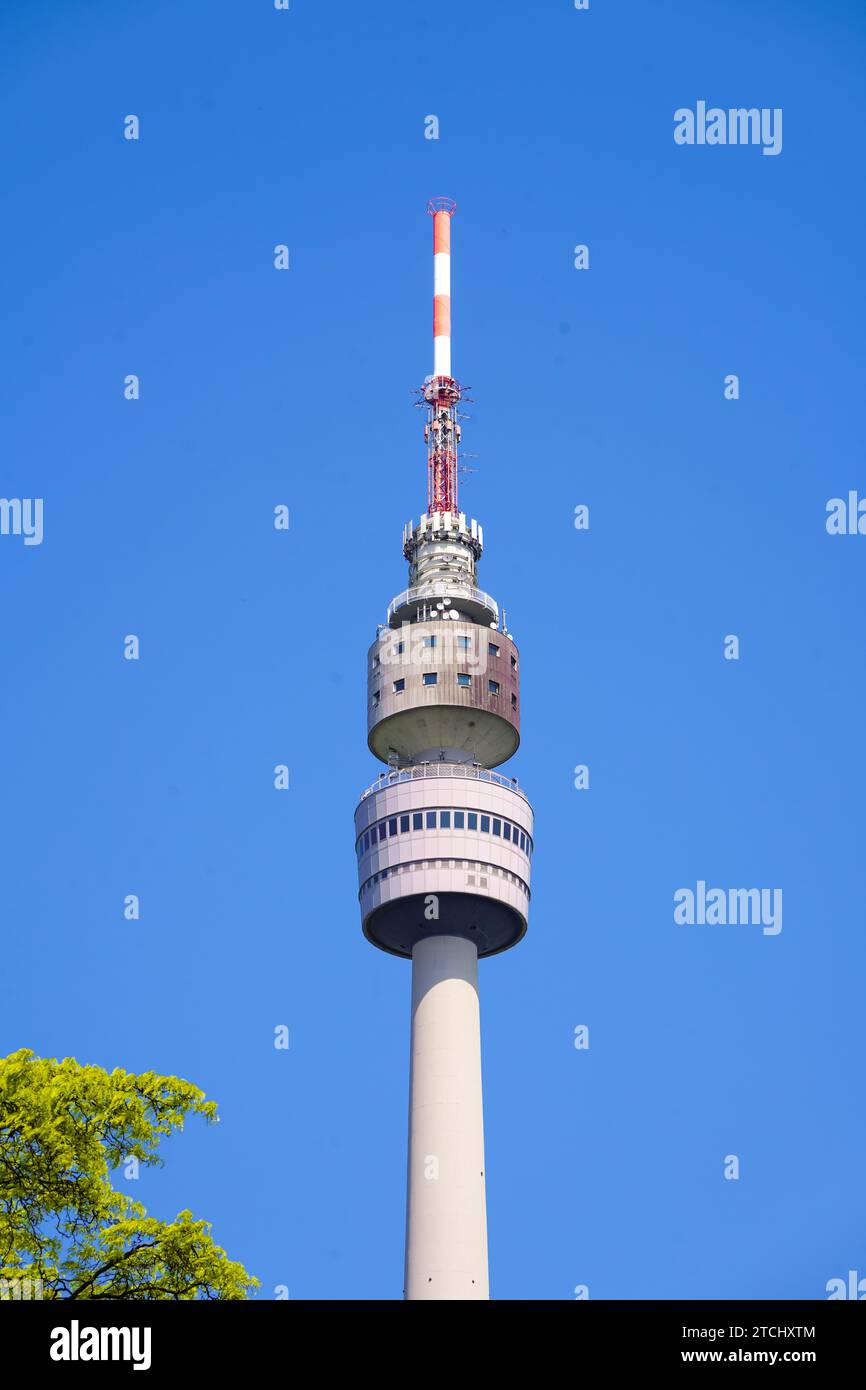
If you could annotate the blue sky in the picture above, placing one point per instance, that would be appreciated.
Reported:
(603, 387)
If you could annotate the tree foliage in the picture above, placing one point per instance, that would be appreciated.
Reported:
(64, 1128)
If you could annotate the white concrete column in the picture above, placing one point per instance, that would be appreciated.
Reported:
(446, 1213)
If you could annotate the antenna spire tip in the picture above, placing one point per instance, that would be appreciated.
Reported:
(435, 205)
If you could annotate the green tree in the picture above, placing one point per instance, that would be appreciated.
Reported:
(63, 1129)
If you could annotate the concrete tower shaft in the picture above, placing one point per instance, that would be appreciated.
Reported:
(444, 844)
(446, 1211)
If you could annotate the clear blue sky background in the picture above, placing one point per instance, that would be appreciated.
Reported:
(606, 387)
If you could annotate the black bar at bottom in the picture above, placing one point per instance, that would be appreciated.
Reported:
(66, 1339)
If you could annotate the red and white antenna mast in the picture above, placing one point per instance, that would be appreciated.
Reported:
(441, 391)
(442, 210)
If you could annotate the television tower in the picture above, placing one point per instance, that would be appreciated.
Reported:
(444, 843)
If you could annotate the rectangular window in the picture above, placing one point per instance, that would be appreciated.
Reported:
(431, 820)
(376, 660)
(399, 648)
(429, 678)
(445, 820)
(399, 686)
(392, 826)
(522, 840)
(458, 820)
(497, 827)
(492, 649)
(513, 662)
(485, 824)
(513, 700)
(375, 697)
(463, 644)
(373, 835)
(463, 678)
(472, 820)
(404, 824)
(493, 687)
(417, 820)
(506, 831)
(429, 642)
